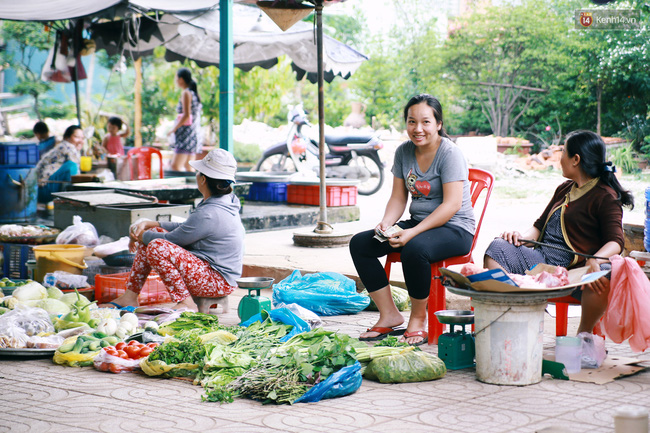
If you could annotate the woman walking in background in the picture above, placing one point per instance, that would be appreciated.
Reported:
(187, 127)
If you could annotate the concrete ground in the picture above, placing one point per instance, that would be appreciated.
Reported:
(39, 396)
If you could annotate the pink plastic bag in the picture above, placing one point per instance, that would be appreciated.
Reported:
(628, 309)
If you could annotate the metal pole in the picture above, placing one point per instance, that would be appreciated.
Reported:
(75, 51)
(322, 227)
(226, 76)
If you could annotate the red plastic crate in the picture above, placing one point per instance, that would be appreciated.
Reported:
(310, 194)
(109, 287)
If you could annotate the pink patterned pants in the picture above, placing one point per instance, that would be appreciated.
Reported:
(183, 273)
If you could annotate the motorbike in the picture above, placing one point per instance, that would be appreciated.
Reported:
(349, 156)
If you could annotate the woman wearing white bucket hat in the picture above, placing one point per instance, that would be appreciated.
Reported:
(199, 259)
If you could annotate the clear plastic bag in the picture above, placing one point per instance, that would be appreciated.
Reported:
(115, 364)
(49, 342)
(412, 366)
(79, 233)
(65, 280)
(107, 249)
(308, 316)
(628, 308)
(344, 382)
(401, 299)
(32, 321)
(324, 293)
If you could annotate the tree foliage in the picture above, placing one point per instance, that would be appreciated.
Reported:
(28, 38)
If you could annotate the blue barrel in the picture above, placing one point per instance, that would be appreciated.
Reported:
(646, 231)
(18, 193)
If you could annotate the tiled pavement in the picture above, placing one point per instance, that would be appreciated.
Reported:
(39, 396)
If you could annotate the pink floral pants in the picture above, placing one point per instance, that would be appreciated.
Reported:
(183, 273)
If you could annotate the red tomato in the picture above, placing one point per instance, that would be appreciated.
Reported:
(122, 354)
(115, 368)
(103, 366)
(120, 345)
(132, 351)
(153, 345)
(111, 351)
(133, 343)
(145, 351)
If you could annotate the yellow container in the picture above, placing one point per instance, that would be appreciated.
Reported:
(50, 258)
(86, 163)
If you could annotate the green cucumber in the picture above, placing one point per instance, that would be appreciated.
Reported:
(104, 343)
(112, 340)
(94, 346)
(65, 348)
(100, 335)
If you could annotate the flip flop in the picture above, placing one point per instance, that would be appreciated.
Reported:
(128, 308)
(383, 333)
(423, 334)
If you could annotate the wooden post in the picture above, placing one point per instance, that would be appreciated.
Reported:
(137, 116)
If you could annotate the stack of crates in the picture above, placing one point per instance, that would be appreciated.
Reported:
(18, 183)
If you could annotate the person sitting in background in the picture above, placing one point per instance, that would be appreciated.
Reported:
(46, 142)
(57, 166)
(200, 259)
(114, 139)
(584, 216)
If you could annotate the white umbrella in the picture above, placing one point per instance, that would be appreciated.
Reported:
(258, 41)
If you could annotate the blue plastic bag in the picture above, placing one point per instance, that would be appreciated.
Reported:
(324, 293)
(285, 316)
(345, 381)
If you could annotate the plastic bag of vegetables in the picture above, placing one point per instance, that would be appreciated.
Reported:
(400, 297)
(32, 320)
(411, 366)
(70, 353)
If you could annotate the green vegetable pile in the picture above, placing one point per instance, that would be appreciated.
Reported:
(191, 321)
(292, 368)
(187, 347)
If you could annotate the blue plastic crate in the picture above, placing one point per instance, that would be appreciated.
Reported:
(15, 260)
(19, 153)
(268, 191)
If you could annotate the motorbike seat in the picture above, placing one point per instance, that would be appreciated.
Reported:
(345, 139)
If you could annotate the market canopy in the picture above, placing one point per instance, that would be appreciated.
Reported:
(53, 10)
(258, 41)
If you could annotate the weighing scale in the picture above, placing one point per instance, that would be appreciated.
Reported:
(456, 348)
(250, 304)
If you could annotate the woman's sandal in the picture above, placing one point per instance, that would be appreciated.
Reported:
(423, 334)
(383, 332)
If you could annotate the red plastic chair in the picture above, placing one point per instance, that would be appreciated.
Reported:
(142, 169)
(562, 315)
(479, 180)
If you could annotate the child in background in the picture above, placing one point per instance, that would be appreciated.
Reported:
(113, 140)
(42, 134)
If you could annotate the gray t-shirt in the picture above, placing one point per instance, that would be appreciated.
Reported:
(425, 188)
(213, 232)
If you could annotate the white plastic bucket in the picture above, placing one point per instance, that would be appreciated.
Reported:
(509, 341)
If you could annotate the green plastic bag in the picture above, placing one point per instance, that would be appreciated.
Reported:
(400, 297)
(412, 366)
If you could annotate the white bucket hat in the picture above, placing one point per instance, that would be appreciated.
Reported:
(217, 164)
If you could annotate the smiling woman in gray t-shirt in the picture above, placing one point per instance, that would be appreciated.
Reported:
(432, 171)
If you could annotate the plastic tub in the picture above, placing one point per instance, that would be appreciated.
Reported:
(568, 351)
(50, 258)
(509, 342)
(18, 192)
